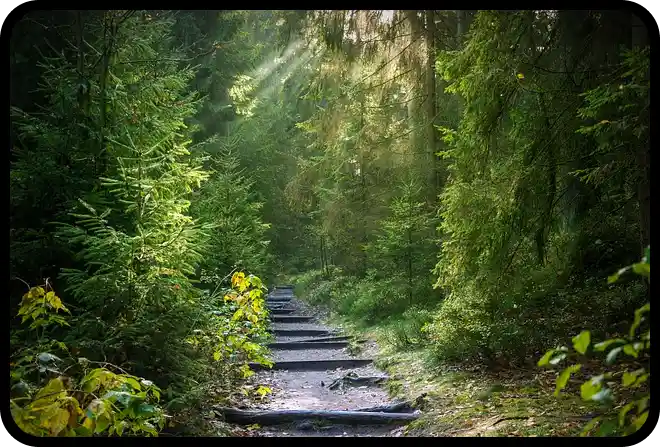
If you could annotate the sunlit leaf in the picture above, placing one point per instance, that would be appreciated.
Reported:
(611, 356)
(591, 387)
(590, 425)
(581, 341)
(562, 380)
(603, 345)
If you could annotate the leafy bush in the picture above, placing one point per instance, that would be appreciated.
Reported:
(52, 396)
(634, 400)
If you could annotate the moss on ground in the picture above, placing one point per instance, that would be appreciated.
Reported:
(463, 401)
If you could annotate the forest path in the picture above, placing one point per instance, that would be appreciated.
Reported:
(318, 387)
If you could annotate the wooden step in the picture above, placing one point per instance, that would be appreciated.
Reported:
(325, 339)
(291, 318)
(280, 311)
(296, 345)
(338, 417)
(301, 332)
(313, 365)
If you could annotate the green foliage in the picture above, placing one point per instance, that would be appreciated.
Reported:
(519, 231)
(365, 156)
(237, 233)
(239, 327)
(52, 396)
(633, 383)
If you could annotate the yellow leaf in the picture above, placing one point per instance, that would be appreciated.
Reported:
(88, 423)
(52, 390)
(520, 76)
(237, 278)
(256, 306)
(59, 421)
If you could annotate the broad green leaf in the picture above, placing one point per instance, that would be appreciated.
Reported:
(52, 390)
(615, 277)
(47, 357)
(611, 356)
(58, 421)
(132, 382)
(562, 380)
(603, 345)
(603, 396)
(581, 341)
(642, 268)
(606, 428)
(84, 429)
(95, 408)
(555, 360)
(639, 317)
(145, 410)
(122, 397)
(120, 427)
(629, 378)
(103, 422)
(591, 387)
(590, 425)
(149, 428)
(547, 357)
(639, 420)
(623, 412)
(630, 350)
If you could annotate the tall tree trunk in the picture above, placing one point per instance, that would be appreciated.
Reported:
(435, 174)
(640, 39)
(415, 114)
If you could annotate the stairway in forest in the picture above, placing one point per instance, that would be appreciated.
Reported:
(319, 388)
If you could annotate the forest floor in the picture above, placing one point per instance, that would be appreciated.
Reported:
(464, 400)
(451, 400)
(301, 389)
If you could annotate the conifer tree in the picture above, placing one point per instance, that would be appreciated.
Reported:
(134, 237)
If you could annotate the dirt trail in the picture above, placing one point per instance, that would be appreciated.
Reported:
(300, 388)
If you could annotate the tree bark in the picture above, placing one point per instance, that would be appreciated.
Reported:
(435, 175)
(640, 39)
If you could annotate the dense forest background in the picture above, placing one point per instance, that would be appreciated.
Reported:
(466, 180)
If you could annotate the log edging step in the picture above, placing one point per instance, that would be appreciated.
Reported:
(291, 318)
(280, 311)
(337, 416)
(301, 332)
(298, 345)
(331, 338)
(312, 365)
